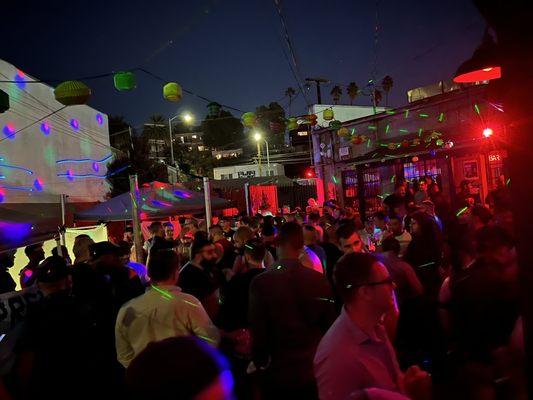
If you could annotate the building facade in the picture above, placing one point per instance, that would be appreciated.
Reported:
(453, 136)
(47, 149)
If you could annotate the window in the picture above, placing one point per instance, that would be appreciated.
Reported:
(372, 184)
(349, 184)
(416, 170)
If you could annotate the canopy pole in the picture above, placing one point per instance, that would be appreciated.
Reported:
(134, 194)
(63, 200)
(247, 197)
(207, 196)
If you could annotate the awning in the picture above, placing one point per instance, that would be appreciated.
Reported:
(19, 229)
(157, 200)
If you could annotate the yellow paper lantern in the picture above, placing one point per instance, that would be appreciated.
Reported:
(343, 132)
(328, 114)
(72, 93)
(172, 92)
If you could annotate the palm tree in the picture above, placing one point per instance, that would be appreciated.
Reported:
(336, 93)
(353, 91)
(377, 97)
(290, 93)
(387, 84)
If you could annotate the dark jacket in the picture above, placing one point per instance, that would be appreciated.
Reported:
(290, 309)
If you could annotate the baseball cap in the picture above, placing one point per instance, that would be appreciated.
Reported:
(52, 269)
(100, 249)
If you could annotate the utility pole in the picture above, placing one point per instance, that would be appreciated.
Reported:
(136, 218)
(318, 81)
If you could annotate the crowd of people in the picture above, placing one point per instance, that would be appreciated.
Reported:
(415, 301)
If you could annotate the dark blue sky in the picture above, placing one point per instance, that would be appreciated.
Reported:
(232, 50)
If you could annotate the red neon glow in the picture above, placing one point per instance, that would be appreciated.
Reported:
(485, 74)
(487, 132)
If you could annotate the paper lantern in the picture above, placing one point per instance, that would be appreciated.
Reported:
(335, 125)
(448, 144)
(414, 159)
(213, 109)
(4, 101)
(72, 93)
(276, 126)
(357, 139)
(172, 92)
(124, 81)
(292, 123)
(249, 119)
(391, 146)
(343, 132)
(439, 142)
(405, 143)
(328, 114)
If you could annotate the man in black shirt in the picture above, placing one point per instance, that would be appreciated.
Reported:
(290, 309)
(35, 254)
(400, 200)
(7, 260)
(197, 276)
(234, 308)
(56, 348)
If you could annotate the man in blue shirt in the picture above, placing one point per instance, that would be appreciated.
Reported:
(356, 354)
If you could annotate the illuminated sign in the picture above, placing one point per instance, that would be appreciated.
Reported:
(302, 133)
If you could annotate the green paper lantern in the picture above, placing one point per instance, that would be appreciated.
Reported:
(71, 93)
(124, 81)
(172, 92)
(335, 125)
(249, 119)
(439, 142)
(4, 101)
(213, 109)
(328, 114)
(292, 123)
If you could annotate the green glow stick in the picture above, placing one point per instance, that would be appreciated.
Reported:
(461, 211)
(477, 109)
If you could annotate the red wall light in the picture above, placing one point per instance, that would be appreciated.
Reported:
(488, 132)
(484, 74)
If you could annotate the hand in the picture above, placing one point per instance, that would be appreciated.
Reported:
(417, 383)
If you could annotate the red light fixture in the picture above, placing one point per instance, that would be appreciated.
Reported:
(483, 66)
(309, 173)
(487, 132)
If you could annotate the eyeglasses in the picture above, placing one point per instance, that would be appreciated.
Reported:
(389, 281)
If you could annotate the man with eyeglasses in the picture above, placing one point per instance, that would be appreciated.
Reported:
(197, 276)
(355, 356)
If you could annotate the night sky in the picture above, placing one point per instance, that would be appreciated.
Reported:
(232, 51)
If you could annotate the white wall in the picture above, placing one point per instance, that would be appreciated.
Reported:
(33, 150)
(343, 113)
(248, 171)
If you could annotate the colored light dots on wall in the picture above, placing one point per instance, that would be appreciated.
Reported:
(45, 128)
(9, 131)
(99, 119)
(96, 167)
(74, 123)
(20, 80)
(38, 184)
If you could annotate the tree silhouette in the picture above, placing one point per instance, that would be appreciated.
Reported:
(353, 91)
(387, 84)
(290, 93)
(336, 93)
